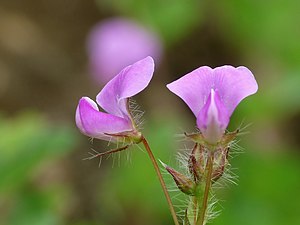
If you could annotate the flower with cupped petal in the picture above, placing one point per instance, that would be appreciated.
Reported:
(116, 123)
(213, 94)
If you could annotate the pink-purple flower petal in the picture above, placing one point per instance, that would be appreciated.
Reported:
(193, 88)
(213, 118)
(213, 94)
(95, 124)
(232, 84)
(129, 82)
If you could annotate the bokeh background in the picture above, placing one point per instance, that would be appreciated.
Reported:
(45, 69)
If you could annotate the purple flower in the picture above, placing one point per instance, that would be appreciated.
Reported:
(213, 94)
(116, 122)
(116, 43)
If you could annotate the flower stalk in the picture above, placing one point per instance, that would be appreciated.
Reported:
(161, 180)
(209, 169)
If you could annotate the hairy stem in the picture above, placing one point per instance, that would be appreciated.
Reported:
(209, 169)
(195, 208)
(108, 152)
(161, 180)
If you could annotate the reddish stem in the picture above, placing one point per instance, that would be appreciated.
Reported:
(161, 180)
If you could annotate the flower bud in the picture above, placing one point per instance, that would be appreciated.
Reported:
(196, 162)
(221, 163)
(185, 184)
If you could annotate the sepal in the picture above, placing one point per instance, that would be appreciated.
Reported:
(128, 137)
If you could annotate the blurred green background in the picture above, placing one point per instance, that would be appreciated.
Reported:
(43, 73)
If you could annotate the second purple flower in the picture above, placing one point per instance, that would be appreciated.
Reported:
(213, 94)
